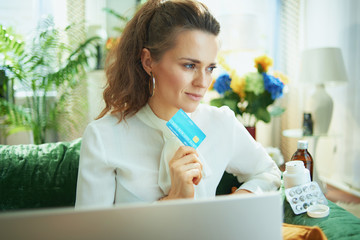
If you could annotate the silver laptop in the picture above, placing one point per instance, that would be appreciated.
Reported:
(226, 217)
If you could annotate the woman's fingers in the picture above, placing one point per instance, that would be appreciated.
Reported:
(193, 171)
(185, 155)
(191, 166)
(185, 160)
(187, 163)
(196, 179)
(194, 175)
(184, 150)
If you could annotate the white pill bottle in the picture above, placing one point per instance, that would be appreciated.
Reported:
(295, 174)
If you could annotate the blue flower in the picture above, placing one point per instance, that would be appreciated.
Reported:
(222, 83)
(273, 85)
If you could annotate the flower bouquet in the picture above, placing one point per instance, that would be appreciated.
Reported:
(251, 95)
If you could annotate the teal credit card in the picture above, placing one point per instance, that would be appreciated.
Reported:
(185, 129)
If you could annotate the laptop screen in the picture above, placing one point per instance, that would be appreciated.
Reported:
(245, 216)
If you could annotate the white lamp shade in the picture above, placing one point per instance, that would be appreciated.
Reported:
(322, 65)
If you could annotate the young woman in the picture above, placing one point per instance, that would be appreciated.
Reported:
(164, 63)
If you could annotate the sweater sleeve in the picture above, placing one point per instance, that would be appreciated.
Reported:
(250, 162)
(96, 179)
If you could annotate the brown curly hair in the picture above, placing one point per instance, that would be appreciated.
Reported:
(155, 26)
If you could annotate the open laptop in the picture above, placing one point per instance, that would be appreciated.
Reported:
(225, 217)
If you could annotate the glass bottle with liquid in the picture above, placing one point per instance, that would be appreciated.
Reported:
(307, 125)
(302, 154)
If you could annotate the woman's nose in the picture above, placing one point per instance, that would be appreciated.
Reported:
(201, 79)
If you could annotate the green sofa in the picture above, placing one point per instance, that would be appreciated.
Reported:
(38, 176)
(44, 176)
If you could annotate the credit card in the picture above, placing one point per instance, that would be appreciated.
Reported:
(185, 129)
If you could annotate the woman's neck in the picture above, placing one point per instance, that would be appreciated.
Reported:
(162, 112)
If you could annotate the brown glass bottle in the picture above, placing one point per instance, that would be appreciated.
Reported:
(302, 154)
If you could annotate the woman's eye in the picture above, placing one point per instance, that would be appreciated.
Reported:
(189, 66)
(211, 69)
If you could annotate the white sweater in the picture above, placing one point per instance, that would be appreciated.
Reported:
(119, 162)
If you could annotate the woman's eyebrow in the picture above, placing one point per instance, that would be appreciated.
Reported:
(190, 59)
(194, 60)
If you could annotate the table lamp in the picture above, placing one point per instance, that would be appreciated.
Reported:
(321, 66)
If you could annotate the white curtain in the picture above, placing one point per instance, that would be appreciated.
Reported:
(336, 23)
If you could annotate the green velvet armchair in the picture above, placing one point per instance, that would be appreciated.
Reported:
(45, 176)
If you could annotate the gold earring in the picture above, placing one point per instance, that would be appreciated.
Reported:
(152, 84)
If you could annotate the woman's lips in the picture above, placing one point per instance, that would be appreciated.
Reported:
(194, 96)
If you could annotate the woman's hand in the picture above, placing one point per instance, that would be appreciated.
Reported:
(185, 171)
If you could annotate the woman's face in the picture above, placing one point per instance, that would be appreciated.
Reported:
(183, 74)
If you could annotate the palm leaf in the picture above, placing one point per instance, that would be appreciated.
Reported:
(116, 14)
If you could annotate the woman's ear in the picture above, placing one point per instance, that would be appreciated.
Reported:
(146, 60)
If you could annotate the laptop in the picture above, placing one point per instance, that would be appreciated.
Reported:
(224, 217)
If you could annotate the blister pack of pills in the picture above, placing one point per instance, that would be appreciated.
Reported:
(305, 195)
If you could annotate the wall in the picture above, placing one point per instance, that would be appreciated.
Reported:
(20, 14)
(336, 23)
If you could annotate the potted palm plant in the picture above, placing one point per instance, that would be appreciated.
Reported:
(42, 67)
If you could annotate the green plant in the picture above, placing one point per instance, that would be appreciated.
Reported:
(40, 67)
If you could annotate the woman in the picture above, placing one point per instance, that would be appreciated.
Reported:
(164, 63)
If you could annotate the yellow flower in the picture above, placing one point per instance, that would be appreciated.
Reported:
(264, 61)
(238, 85)
(212, 84)
(281, 76)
